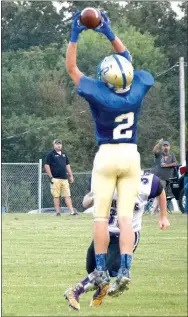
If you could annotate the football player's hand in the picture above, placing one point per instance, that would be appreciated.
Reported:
(77, 28)
(105, 28)
(164, 223)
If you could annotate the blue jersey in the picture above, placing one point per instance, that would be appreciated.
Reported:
(115, 115)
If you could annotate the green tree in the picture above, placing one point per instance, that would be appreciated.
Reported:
(160, 20)
(33, 82)
(30, 23)
(37, 80)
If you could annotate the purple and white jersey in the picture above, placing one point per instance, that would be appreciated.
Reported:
(149, 188)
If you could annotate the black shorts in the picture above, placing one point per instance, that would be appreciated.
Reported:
(113, 256)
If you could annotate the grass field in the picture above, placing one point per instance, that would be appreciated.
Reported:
(42, 255)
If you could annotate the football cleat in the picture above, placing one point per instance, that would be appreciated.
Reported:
(72, 296)
(99, 295)
(121, 283)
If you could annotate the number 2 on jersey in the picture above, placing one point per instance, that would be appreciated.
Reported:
(118, 132)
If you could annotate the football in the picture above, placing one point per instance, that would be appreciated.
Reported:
(90, 17)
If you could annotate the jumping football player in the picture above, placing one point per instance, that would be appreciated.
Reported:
(115, 100)
(150, 187)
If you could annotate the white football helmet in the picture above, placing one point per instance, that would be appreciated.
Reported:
(117, 72)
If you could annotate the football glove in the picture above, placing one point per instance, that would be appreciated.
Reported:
(77, 28)
(105, 28)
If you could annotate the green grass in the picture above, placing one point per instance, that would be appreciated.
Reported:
(42, 255)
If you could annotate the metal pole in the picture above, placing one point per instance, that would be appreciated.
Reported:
(182, 109)
(40, 186)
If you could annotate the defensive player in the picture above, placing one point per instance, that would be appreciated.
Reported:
(115, 101)
(150, 187)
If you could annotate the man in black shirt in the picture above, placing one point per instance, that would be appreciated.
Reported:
(57, 166)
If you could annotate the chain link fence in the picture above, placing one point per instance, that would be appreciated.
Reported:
(20, 186)
(26, 188)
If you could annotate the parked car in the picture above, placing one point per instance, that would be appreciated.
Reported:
(177, 186)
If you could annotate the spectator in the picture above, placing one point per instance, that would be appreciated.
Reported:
(186, 181)
(164, 162)
(57, 166)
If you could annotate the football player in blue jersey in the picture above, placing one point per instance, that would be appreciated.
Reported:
(115, 100)
(150, 187)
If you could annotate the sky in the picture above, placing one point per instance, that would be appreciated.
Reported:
(174, 5)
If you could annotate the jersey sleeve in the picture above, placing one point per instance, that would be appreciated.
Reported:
(48, 159)
(89, 89)
(142, 82)
(156, 187)
(127, 55)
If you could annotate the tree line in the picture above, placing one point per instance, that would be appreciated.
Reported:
(39, 101)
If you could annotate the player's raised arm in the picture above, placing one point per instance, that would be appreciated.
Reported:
(117, 44)
(71, 65)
